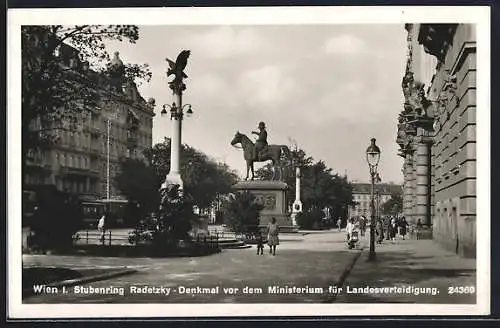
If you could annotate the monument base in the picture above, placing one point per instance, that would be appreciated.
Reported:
(272, 196)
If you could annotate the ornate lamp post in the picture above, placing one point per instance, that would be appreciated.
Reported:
(177, 114)
(372, 157)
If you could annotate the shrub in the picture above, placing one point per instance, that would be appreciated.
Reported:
(310, 219)
(242, 213)
(57, 217)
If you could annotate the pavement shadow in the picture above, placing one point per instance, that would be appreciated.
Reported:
(405, 268)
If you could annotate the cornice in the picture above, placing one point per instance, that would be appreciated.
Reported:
(436, 39)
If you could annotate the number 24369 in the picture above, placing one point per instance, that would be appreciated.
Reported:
(461, 290)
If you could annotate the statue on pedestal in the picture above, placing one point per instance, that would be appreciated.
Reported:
(261, 151)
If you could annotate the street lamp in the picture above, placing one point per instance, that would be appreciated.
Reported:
(175, 113)
(372, 157)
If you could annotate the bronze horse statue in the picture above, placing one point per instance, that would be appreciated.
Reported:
(271, 153)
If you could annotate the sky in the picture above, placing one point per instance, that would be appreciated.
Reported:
(330, 88)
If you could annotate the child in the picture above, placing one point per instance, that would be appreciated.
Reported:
(260, 244)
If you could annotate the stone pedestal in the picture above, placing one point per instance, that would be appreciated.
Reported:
(272, 194)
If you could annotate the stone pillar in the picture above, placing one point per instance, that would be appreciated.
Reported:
(422, 192)
(174, 175)
(297, 204)
(408, 187)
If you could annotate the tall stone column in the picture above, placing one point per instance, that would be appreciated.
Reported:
(407, 187)
(177, 85)
(423, 171)
(414, 186)
(409, 196)
(174, 175)
(297, 204)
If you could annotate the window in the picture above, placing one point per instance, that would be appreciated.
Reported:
(70, 161)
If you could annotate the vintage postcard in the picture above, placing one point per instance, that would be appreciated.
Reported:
(273, 161)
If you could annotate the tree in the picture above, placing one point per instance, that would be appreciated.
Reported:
(204, 179)
(62, 67)
(172, 223)
(57, 217)
(139, 184)
(393, 205)
(242, 213)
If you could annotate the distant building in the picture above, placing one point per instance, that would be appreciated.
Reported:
(78, 161)
(361, 194)
(437, 133)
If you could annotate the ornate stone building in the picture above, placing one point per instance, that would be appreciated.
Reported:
(361, 194)
(78, 162)
(436, 133)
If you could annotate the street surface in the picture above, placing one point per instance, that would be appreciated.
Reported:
(314, 260)
(308, 262)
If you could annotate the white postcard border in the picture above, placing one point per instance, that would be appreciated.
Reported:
(245, 16)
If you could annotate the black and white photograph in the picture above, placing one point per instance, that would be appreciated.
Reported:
(248, 161)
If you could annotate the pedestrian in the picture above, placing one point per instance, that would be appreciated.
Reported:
(272, 236)
(349, 228)
(260, 244)
(387, 227)
(380, 231)
(393, 229)
(101, 227)
(403, 227)
(339, 223)
(419, 226)
(362, 225)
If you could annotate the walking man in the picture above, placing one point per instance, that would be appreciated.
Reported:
(101, 227)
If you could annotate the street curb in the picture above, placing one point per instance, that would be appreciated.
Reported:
(344, 275)
(83, 280)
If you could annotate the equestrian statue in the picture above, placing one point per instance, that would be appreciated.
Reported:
(261, 151)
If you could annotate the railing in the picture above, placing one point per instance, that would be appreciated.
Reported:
(415, 232)
(224, 233)
(94, 237)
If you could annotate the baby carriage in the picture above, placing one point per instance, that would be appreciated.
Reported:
(352, 242)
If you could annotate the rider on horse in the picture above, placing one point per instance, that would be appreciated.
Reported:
(261, 142)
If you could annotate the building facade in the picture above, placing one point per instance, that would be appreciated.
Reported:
(361, 194)
(436, 133)
(85, 159)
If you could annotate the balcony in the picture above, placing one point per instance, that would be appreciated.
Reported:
(95, 152)
(73, 171)
(94, 172)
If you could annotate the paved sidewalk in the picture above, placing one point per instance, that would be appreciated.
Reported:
(412, 263)
(316, 261)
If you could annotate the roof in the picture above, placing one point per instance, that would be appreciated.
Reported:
(384, 188)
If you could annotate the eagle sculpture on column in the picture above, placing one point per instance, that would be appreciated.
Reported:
(177, 69)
